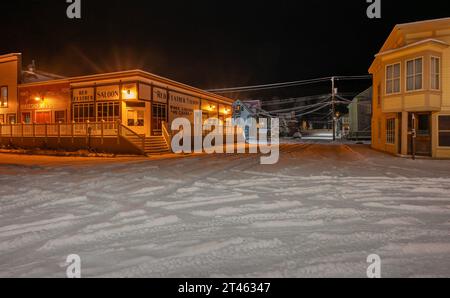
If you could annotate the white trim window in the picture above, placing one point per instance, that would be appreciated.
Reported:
(435, 73)
(393, 74)
(414, 74)
(390, 131)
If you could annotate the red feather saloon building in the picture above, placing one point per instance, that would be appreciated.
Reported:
(133, 108)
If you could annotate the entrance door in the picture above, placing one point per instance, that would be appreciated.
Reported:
(159, 114)
(43, 117)
(422, 125)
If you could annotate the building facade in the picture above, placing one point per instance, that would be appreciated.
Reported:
(141, 101)
(411, 96)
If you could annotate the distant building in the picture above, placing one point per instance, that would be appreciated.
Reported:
(411, 98)
(245, 110)
(360, 116)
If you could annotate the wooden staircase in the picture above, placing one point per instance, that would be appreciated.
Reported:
(156, 145)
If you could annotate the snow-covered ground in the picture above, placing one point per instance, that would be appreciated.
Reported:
(318, 213)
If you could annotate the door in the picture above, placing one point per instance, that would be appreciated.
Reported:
(43, 117)
(421, 123)
(423, 129)
(159, 114)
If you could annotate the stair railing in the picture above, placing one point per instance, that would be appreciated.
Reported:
(167, 135)
(126, 133)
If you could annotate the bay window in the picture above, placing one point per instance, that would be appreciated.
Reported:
(393, 78)
(435, 73)
(414, 74)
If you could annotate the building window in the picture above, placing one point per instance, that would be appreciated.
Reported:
(4, 97)
(26, 117)
(83, 112)
(435, 73)
(11, 119)
(60, 116)
(444, 131)
(108, 111)
(136, 117)
(2, 119)
(414, 74)
(390, 131)
(393, 78)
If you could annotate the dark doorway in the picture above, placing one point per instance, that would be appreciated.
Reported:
(422, 125)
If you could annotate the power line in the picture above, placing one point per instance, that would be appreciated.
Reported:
(287, 84)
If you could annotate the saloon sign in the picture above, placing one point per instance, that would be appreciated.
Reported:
(108, 93)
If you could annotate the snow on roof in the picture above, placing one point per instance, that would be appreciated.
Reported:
(38, 76)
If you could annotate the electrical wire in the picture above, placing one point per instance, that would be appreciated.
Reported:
(287, 84)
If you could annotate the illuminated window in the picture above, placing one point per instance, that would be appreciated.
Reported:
(390, 131)
(4, 97)
(83, 112)
(414, 74)
(393, 78)
(444, 131)
(11, 119)
(435, 73)
(2, 119)
(108, 111)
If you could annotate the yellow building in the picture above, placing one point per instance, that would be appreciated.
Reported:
(411, 82)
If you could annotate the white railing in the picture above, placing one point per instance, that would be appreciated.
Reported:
(94, 129)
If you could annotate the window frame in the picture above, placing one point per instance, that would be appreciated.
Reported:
(1, 96)
(9, 115)
(390, 131)
(414, 74)
(438, 73)
(393, 79)
(439, 131)
(62, 112)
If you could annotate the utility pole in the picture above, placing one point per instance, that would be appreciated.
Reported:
(333, 107)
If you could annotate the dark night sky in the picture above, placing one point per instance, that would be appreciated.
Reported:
(209, 44)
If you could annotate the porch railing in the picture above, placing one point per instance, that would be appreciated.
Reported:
(72, 130)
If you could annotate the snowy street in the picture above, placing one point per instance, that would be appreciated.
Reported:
(320, 212)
